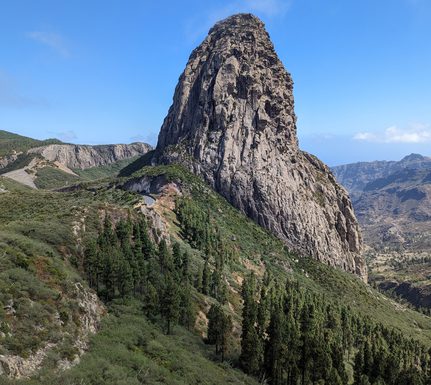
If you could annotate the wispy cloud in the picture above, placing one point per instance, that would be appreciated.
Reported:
(51, 40)
(65, 136)
(266, 8)
(148, 137)
(414, 133)
(11, 96)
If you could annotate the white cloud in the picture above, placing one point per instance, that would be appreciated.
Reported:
(364, 136)
(414, 133)
(52, 40)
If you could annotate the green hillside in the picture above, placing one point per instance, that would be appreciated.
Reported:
(10, 142)
(106, 171)
(52, 240)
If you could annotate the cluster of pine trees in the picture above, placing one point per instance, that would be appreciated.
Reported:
(124, 261)
(293, 337)
(289, 336)
(203, 234)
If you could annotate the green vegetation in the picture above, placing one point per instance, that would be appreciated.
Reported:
(170, 299)
(40, 245)
(247, 241)
(291, 336)
(125, 262)
(130, 350)
(10, 142)
(51, 178)
(137, 164)
(22, 161)
(102, 172)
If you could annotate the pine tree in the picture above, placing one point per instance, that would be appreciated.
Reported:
(215, 283)
(334, 378)
(250, 343)
(177, 256)
(90, 263)
(151, 302)
(308, 329)
(273, 361)
(293, 342)
(125, 278)
(205, 278)
(107, 237)
(359, 365)
(198, 281)
(165, 259)
(147, 244)
(185, 266)
(262, 313)
(187, 311)
(170, 302)
(219, 329)
(123, 231)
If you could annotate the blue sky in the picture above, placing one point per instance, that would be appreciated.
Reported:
(105, 71)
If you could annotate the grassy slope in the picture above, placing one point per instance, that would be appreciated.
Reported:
(256, 245)
(107, 171)
(128, 349)
(51, 178)
(35, 277)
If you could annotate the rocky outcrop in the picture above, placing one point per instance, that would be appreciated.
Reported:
(158, 194)
(91, 311)
(232, 122)
(8, 159)
(83, 156)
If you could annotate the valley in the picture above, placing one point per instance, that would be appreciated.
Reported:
(392, 202)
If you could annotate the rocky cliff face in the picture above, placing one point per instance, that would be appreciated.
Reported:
(82, 156)
(232, 122)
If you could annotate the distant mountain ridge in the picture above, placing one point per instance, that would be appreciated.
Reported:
(392, 200)
(81, 157)
(25, 159)
(355, 176)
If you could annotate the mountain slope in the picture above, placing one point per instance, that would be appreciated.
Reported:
(52, 164)
(355, 176)
(232, 122)
(81, 157)
(13, 143)
(392, 201)
(134, 348)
